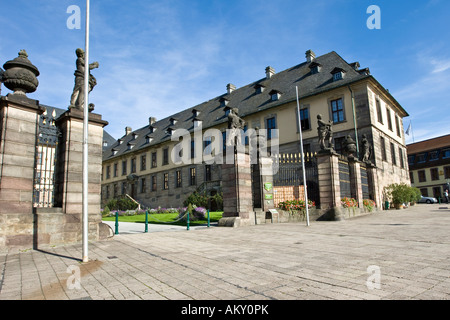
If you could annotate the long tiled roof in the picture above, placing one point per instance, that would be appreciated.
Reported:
(247, 100)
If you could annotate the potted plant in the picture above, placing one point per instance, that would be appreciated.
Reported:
(399, 193)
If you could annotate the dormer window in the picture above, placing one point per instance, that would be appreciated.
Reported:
(338, 74)
(170, 130)
(173, 121)
(227, 111)
(196, 113)
(315, 67)
(148, 139)
(130, 145)
(224, 102)
(135, 135)
(114, 151)
(120, 141)
(152, 129)
(259, 88)
(275, 95)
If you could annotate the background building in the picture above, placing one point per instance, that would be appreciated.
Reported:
(429, 165)
(139, 163)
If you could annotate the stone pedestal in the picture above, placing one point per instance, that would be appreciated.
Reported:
(70, 169)
(355, 180)
(237, 193)
(329, 186)
(19, 118)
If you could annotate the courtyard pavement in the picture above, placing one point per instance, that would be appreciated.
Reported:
(392, 255)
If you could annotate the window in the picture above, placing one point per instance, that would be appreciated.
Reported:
(434, 155)
(274, 95)
(383, 149)
(143, 185)
(447, 172)
(108, 172)
(402, 159)
(394, 158)
(397, 126)
(192, 149)
(424, 192)
(224, 140)
(446, 154)
(154, 159)
(192, 176)
(115, 190)
(271, 125)
(116, 169)
(107, 192)
(166, 181)
(339, 145)
(411, 160)
(124, 167)
(165, 156)
(434, 174)
(207, 173)
(178, 179)
(337, 76)
(388, 112)
(411, 176)
(379, 113)
(422, 177)
(244, 137)
(304, 119)
(421, 158)
(337, 111)
(143, 162)
(153, 183)
(124, 187)
(133, 165)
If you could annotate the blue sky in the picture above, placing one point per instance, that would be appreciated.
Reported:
(160, 57)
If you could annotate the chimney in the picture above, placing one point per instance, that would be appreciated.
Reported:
(151, 120)
(310, 56)
(128, 130)
(269, 72)
(230, 88)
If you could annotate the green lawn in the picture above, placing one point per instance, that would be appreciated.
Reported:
(165, 218)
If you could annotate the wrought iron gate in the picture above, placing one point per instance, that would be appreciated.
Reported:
(46, 158)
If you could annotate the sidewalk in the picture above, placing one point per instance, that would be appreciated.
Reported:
(396, 254)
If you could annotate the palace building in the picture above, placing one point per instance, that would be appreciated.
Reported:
(429, 165)
(139, 163)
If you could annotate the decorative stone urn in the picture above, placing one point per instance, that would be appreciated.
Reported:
(20, 75)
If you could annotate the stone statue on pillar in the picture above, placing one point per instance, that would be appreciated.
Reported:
(77, 98)
(366, 149)
(235, 125)
(325, 131)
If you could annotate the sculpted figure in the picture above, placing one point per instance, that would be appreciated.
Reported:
(366, 149)
(325, 133)
(77, 99)
(235, 125)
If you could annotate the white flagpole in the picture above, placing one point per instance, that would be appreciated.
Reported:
(303, 158)
(85, 141)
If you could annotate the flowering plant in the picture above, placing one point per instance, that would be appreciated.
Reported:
(349, 202)
(369, 204)
(297, 205)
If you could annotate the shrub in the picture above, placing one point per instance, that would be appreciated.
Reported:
(402, 193)
(202, 200)
(122, 203)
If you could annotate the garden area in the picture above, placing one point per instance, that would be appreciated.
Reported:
(194, 206)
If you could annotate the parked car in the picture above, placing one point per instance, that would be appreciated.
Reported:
(428, 200)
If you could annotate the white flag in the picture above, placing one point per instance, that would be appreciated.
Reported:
(408, 130)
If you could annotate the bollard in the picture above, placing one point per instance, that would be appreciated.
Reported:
(208, 219)
(146, 221)
(188, 220)
(117, 222)
(209, 207)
